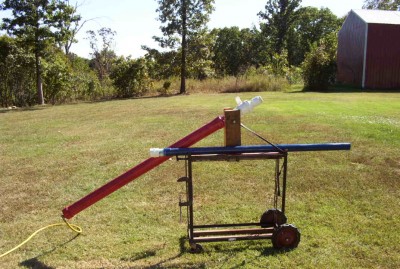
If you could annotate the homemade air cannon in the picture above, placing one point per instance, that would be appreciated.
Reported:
(273, 222)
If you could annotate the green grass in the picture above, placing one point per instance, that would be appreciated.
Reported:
(346, 204)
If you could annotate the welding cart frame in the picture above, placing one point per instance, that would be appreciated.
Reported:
(272, 224)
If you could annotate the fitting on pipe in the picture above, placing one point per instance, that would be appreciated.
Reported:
(248, 106)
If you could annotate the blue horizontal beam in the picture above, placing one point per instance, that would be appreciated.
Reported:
(255, 149)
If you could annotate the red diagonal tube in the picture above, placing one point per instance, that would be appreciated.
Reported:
(140, 169)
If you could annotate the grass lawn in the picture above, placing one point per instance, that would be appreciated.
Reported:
(346, 203)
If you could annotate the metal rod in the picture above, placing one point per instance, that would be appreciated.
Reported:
(284, 184)
(232, 238)
(262, 138)
(226, 225)
(234, 231)
(256, 148)
(190, 193)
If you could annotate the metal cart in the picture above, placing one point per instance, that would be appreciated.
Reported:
(272, 224)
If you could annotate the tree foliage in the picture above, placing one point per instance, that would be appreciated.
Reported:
(382, 4)
(162, 65)
(279, 16)
(130, 77)
(311, 25)
(231, 51)
(37, 24)
(68, 23)
(103, 56)
(181, 21)
(56, 76)
(319, 66)
(17, 74)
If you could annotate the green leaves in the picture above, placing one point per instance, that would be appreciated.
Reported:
(130, 77)
(279, 16)
(182, 20)
(39, 23)
(382, 4)
(311, 25)
(319, 66)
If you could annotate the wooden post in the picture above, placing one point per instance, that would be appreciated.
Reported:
(232, 128)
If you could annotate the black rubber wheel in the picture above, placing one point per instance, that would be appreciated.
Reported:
(286, 236)
(272, 217)
(196, 248)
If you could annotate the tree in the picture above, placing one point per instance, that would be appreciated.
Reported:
(17, 74)
(311, 25)
(199, 55)
(229, 52)
(130, 77)
(382, 4)
(35, 23)
(57, 76)
(279, 16)
(104, 56)
(162, 65)
(68, 23)
(181, 20)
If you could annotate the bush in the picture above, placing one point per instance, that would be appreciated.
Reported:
(56, 77)
(85, 84)
(319, 66)
(130, 77)
(17, 75)
(164, 90)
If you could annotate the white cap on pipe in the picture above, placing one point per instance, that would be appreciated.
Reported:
(248, 106)
(156, 152)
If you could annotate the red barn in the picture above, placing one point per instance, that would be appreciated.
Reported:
(368, 53)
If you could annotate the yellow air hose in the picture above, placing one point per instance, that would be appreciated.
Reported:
(73, 227)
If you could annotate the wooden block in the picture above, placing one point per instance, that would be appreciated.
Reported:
(232, 128)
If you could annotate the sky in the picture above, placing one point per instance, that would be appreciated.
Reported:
(135, 21)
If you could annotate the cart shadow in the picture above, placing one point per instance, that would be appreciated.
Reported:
(263, 250)
(183, 249)
(227, 250)
(34, 263)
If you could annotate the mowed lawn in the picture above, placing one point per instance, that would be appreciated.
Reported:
(346, 203)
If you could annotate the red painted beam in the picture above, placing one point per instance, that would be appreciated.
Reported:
(140, 169)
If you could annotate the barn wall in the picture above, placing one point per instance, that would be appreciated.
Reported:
(350, 54)
(383, 56)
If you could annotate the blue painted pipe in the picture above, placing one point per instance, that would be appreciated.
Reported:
(254, 149)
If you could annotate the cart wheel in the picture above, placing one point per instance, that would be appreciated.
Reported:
(195, 248)
(286, 236)
(272, 217)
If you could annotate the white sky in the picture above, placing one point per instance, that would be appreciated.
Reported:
(135, 20)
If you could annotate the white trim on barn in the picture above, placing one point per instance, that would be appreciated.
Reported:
(365, 57)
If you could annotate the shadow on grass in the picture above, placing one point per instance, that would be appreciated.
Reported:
(252, 262)
(255, 246)
(231, 250)
(163, 264)
(35, 263)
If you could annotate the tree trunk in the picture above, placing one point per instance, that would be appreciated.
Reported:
(184, 49)
(39, 85)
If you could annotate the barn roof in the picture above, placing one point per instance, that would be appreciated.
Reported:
(378, 16)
